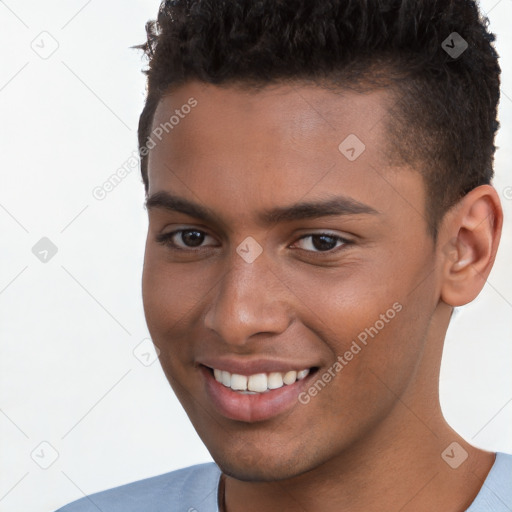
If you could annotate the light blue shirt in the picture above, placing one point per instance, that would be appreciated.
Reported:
(194, 489)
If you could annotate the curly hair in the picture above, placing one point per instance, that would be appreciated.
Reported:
(443, 119)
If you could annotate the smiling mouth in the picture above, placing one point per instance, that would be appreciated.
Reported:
(259, 383)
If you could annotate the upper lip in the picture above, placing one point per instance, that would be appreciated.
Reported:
(253, 366)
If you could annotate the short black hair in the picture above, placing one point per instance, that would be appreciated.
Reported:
(443, 119)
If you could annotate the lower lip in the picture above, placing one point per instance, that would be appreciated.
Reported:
(252, 408)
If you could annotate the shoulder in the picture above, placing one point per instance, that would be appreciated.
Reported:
(187, 489)
(496, 492)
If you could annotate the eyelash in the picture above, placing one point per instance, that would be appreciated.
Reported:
(166, 240)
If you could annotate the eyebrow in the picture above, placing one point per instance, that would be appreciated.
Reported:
(333, 206)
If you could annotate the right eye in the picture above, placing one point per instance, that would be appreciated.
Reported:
(183, 239)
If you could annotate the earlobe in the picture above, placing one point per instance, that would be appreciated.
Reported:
(469, 241)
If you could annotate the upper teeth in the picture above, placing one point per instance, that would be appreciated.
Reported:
(259, 382)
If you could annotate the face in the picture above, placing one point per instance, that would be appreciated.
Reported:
(277, 244)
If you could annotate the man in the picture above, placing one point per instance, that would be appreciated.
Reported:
(318, 190)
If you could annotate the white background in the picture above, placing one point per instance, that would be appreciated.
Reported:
(68, 327)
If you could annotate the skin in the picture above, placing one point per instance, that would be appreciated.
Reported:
(372, 439)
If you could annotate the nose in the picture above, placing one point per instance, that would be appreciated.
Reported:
(249, 299)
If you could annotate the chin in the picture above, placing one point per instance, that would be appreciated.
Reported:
(254, 469)
(256, 474)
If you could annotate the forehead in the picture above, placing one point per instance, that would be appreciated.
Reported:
(272, 146)
(283, 116)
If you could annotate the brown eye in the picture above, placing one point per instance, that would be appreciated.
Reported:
(192, 238)
(323, 242)
(183, 239)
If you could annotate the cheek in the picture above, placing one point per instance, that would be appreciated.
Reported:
(174, 297)
(339, 303)
(373, 323)
(170, 293)
(167, 302)
(386, 344)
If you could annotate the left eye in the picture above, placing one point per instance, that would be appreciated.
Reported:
(323, 242)
(194, 238)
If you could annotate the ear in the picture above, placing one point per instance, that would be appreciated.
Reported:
(468, 241)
